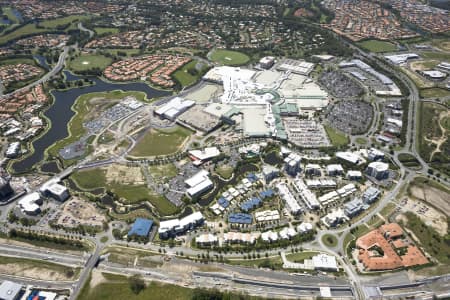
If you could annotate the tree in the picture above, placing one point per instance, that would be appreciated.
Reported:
(136, 283)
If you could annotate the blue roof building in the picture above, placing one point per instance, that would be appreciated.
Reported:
(251, 204)
(141, 227)
(252, 177)
(266, 194)
(240, 218)
(223, 202)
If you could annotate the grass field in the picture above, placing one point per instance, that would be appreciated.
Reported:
(23, 264)
(361, 141)
(225, 171)
(437, 246)
(87, 62)
(436, 55)
(434, 93)
(44, 26)
(21, 60)
(408, 160)
(10, 15)
(329, 240)
(117, 287)
(337, 138)
(127, 52)
(300, 256)
(82, 107)
(162, 173)
(378, 46)
(443, 44)
(189, 74)
(106, 30)
(229, 58)
(161, 142)
(95, 178)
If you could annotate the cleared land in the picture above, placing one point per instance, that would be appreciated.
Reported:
(229, 58)
(84, 107)
(161, 142)
(443, 44)
(31, 268)
(162, 173)
(378, 46)
(434, 141)
(87, 62)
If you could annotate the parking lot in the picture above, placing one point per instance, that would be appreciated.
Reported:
(340, 84)
(306, 133)
(351, 117)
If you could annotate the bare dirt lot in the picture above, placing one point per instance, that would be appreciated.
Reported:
(79, 212)
(124, 175)
(30, 271)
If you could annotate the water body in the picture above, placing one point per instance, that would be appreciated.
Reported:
(5, 21)
(70, 76)
(42, 61)
(60, 113)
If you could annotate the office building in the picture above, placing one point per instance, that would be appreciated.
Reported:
(378, 170)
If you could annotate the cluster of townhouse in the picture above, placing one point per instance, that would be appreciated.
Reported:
(19, 120)
(235, 237)
(35, 9)
(129, 39)
(364, 19)
(44, 40)
(427, 17)
(17, 73)
(158, 68)
(388, 248)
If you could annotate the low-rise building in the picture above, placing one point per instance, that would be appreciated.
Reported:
(354, 175)
(198, 184)
(141, 227)
(378, 170)
(10, 290)
(292, 164)
(353, 208)
(335, 170)
(30, 204)
(207, 239)
(269, 172)
(371, 195)
(13, 150)
(308, 197)
(334, 218)
(291, 203)
(171, 228)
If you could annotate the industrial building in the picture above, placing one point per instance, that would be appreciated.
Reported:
(13, 150)
(198, 184)
(30, 204)
(171, 228)
(141, 227)
(5, 189)
(175, 107)
(10, 290)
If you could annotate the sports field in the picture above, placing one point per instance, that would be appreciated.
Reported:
(161, 142)
(87, 62)
(378, 46)
(228, 57)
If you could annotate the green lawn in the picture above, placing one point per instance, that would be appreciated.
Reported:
(329, 240)
(161, 142)
(428, 128)
(408, 160)
(361, 141)
(87, 62)
(435, 55)
(106, 30)
(82, 107)
(337, 138)
(300, 256)
(190, 73)
(434, 93)
(229, 58)
(117, 287)
(225, 171)
(20, 60)
(430, 240)
(44, 27)
(378, 46)
(445, 122)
